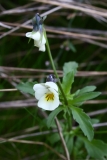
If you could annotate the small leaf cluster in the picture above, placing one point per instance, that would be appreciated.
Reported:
(77, 99)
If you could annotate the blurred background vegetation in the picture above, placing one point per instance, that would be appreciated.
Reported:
(77, 31)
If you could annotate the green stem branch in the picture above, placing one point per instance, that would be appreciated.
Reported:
(66, 102)
(53, 66)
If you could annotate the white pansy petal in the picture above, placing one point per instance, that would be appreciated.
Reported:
(29, 34)
(53, 91)
(37, 43)
(40, 93)
(42, 48)
(36, 36)
(43, 40)
(48, 105)
(38, 86)
(52, 85)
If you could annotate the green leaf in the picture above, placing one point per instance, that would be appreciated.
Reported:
(54, 138)
(26, 87)
(84, 121)
(70, 67)
(84, 97)
(72, 47)
(96, 149)
(69, 142)
(68, 79)
(52, 115)
(87, 89)
(94, 120)
(84, 90)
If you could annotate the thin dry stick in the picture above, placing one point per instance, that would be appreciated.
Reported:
(63, 32)
(62, 139)
(14, 11)
(34, 134)
(100, 124)
(8, 90)
(79, 73)
(12, 69)
(75, 7)
(76, 35)
(26, 130)
(95, 42)
(73, 30)
(32, 103)
(102, 111)
(29, 21)
(32, 142)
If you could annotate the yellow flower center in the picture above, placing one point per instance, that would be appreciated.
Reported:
(49, 97)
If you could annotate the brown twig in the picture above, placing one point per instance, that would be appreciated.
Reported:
(62, 139)
(90, 10)
(32, 142)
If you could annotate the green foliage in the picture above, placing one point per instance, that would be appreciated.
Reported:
(68, 79)
(70, 67)
(69, 142)
(81, 98)
(26, 87)
(84, 121)
(87, 89)
(52, 116)
(54, 138)
(72, 47)
(78, 98)
(96, 149)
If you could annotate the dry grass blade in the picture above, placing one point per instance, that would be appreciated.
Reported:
(60, 31)
(30, 70)
(76, 35)
(27, 22)
(32, 103)
(102, 111)
(18, 104)
(100, 125)
(90, 10)
(33, 142)
(8, 90)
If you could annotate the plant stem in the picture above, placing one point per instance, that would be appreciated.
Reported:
(62, 139)
(53, 66)
(59, 84)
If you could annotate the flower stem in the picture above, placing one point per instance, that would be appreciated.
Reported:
(53, 66)
(66, 102)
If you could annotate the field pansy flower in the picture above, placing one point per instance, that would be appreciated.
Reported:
(47, 95)
(39, 39)
(38, 33)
